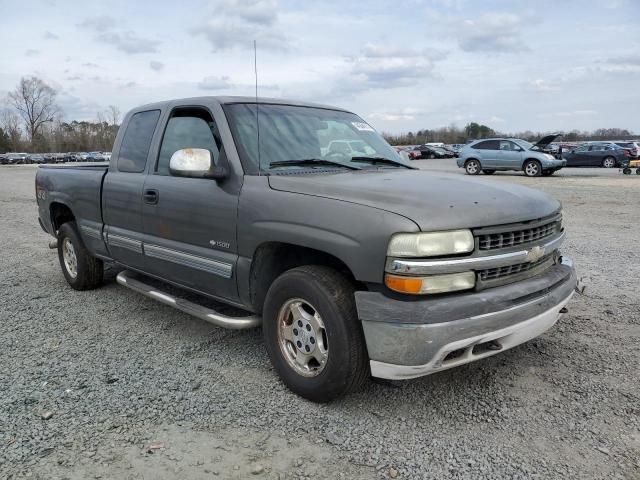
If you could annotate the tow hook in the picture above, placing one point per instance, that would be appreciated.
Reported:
(53, 244)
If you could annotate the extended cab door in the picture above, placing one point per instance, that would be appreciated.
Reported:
(190, 223)
(122, 190)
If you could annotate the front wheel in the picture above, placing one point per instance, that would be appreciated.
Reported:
(472, 167)
(609, 162)
(532, 168)
(312, 333)
(81, 270)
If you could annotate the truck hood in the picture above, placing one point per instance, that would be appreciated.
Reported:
(433, 201)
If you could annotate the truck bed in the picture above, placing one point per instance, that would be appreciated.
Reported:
(76, 186)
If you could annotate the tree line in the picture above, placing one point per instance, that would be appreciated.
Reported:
(32, 121)
(473, 131)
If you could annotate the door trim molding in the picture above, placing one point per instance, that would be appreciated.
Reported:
(124, 242)
(215, 267)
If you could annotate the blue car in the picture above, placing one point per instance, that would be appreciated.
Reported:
(492, 154)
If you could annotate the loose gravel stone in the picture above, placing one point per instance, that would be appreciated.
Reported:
(536, 411)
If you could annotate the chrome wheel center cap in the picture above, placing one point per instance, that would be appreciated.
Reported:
(304, 336)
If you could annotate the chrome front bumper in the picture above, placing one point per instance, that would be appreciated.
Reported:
(409, 339)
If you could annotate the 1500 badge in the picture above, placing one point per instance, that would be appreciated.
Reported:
(219, 244)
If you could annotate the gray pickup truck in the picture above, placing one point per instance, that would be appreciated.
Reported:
(354, 262)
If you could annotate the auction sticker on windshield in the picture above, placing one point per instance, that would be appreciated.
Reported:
(363, 126)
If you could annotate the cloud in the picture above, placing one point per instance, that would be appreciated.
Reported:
(125, 41)
(630, 60)
(31, 52)
(492, 32)
(404, 114)
(236, 23)
(129, 42)
(215, 83)
(50, 36)
(572, 113)
(155, 65)
(100, 23)
(389, 67)
(540, 85)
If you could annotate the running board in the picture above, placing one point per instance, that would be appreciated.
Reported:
(126, 279)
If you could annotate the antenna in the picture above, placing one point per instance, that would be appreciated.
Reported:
(255, 68)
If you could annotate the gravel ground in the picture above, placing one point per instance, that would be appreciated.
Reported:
(109, 384)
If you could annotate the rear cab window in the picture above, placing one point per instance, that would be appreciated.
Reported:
(132, 157)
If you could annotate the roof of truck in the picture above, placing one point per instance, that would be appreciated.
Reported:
(225, 100)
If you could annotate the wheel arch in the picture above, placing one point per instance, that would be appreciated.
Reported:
(60, 213)
(271, 259)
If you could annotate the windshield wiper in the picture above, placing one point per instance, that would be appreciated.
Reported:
(310, 161)
(380, 160)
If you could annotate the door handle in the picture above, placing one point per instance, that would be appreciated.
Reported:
(150, 196)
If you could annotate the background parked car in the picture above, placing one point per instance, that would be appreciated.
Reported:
(607, 155)
(429, 151)
(37, 158)
(493, 154)
(4, 160)
(633, 147)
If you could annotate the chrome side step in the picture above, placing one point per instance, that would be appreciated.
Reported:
(126, 279)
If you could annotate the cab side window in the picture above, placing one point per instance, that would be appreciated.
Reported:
(188, 128)
(135, 145)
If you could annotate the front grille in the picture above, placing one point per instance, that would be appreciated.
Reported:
(501, 272)
(492, 241)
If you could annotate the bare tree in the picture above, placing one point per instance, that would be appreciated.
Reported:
(10, 123)
(113, 115)
(35, 101)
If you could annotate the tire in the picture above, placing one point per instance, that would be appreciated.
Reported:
(627, 171)
(548, 173)
(532, 168)
(637, 171)
(81, 270)
(608, 162)
(322, 293)
(488, 172)
(472, 167)
(432, 156)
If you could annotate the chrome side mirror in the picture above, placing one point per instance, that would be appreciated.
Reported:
(195, 163)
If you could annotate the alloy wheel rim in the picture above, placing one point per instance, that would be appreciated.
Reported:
(69, 257)
(302, 337)
(532, 169)
(608, 163)
(472, 167)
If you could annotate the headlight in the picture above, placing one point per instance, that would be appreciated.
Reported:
(549, 156)
(452, 282)
(432, 244)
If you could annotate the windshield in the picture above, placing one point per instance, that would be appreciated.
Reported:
(304, 133)
(523, 143)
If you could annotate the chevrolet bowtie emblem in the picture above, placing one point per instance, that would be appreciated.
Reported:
(536, 253)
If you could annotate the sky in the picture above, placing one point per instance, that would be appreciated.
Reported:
(402, 65)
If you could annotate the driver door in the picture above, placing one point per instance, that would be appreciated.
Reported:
(190, 223)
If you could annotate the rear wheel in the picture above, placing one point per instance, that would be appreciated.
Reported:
(472, 167)
(81, 270)
(609, 162)
(488, 172)
(432, 156)
(532, 168)
(312, 333)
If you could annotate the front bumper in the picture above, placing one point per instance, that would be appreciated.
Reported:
(409, 339)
